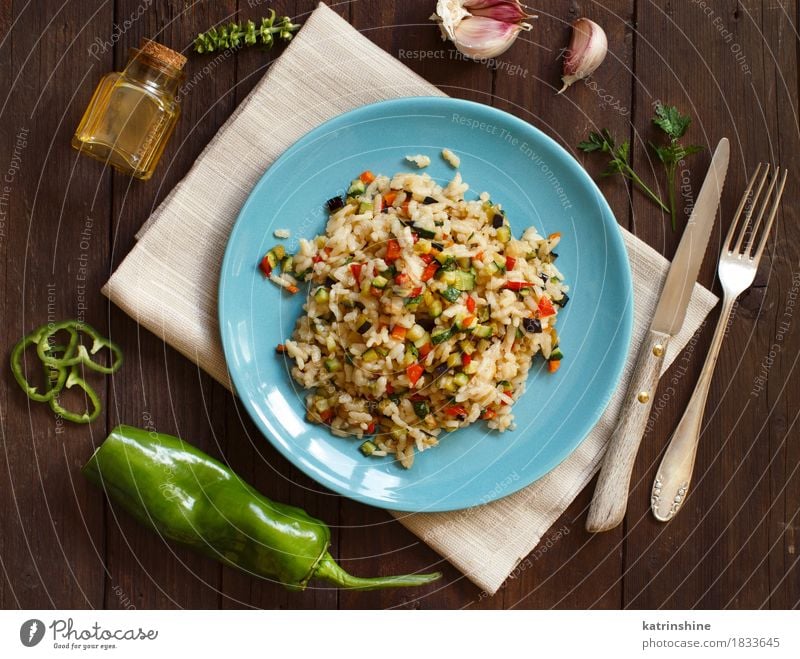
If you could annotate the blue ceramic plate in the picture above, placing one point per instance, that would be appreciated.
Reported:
(538, 183)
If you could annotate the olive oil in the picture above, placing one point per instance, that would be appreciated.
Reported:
(133, 113)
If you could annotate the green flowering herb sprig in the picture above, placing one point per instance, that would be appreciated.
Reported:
(236, 35)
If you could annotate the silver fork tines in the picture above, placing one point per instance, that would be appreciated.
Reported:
(747, 227)
(738, 264)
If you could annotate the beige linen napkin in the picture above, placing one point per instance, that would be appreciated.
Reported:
(168, 282)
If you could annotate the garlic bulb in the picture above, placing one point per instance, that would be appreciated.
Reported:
(481, 28)
(587, 50)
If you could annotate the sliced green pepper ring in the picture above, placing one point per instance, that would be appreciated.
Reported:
(81, 355)
(17, 354)
(91, 413)
(55, 385)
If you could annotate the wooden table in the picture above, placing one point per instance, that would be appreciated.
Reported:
(67, 223)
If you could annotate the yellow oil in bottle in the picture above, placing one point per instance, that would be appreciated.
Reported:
(133, 113)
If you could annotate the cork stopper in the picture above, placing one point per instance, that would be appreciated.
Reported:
(162, 53)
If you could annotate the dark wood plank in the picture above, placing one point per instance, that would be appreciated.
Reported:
(699, 559)
(158, 387)
(51, 520)
(576, 570)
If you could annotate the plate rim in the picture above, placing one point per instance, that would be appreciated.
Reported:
(615, 237)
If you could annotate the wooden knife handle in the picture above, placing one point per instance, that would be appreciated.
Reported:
(611, 494)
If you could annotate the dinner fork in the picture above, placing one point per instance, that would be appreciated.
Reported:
(737, 270)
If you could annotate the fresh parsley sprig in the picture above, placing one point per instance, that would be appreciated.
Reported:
(602, 142)
(674, 124)
(671, 154)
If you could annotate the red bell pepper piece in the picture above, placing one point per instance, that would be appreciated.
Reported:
(457, 411)
(393, 251)
(266, 266)
(466, 359)
(425, 350)
(545, 307)
(517, 285)
(426, 258)
(355, 268)
(414, 373)
(470, 304)
(398, 332)
(367, 177)
(430, 270)
(510, 262)
(401, 279)
(417, 291)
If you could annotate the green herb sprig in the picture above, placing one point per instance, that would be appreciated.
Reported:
(236, 35)
(674, 125)
(620, 162)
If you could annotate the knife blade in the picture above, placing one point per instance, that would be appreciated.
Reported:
(610, 498)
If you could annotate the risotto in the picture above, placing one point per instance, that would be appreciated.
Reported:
(424, 313)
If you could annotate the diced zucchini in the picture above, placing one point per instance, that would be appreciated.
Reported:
(370, 356)
(465, 281)
(368, 448)
(422, 247)
(322, 405)
(423, 340)
(362, 324)
(321, 295)
(464, 262)
(484, 313)
(451, 294)
(467, 346)
(483, 331)
(398, 433)
(279, 251)
(380, 282)
(409, 301)
(332, 365)
(471, 368)
(445, 259)
(357, 186)
(440, 335)
(287, 264)
(503, 234)
(556, 355)
(416, 332)
(466, 322)
(454, 360)
(460, 379)
(381, 351)
(435, 309)
(364, 206)
(423, 233)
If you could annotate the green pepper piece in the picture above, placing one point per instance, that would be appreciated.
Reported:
(92, 411)
(187, 496)
(17, 369)
(82, 355)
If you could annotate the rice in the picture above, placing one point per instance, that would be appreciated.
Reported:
(282, 233)
(451, 158)
(419, 160)
(424, 313)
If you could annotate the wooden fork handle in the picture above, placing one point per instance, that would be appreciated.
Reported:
(675, 471)
(611, 493)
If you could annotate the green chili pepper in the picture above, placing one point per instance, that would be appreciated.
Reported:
(81, 355)
(17, 369)
(92, 410)
(187, 496)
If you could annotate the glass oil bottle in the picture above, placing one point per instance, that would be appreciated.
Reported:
(133, 113)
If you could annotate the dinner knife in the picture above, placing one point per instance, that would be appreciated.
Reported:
(611, 493)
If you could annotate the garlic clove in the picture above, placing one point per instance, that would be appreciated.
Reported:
(508, 11)
(587, 50)
(483, 37)
(481, 28)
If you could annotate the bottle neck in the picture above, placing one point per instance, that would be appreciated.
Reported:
(150, 72)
